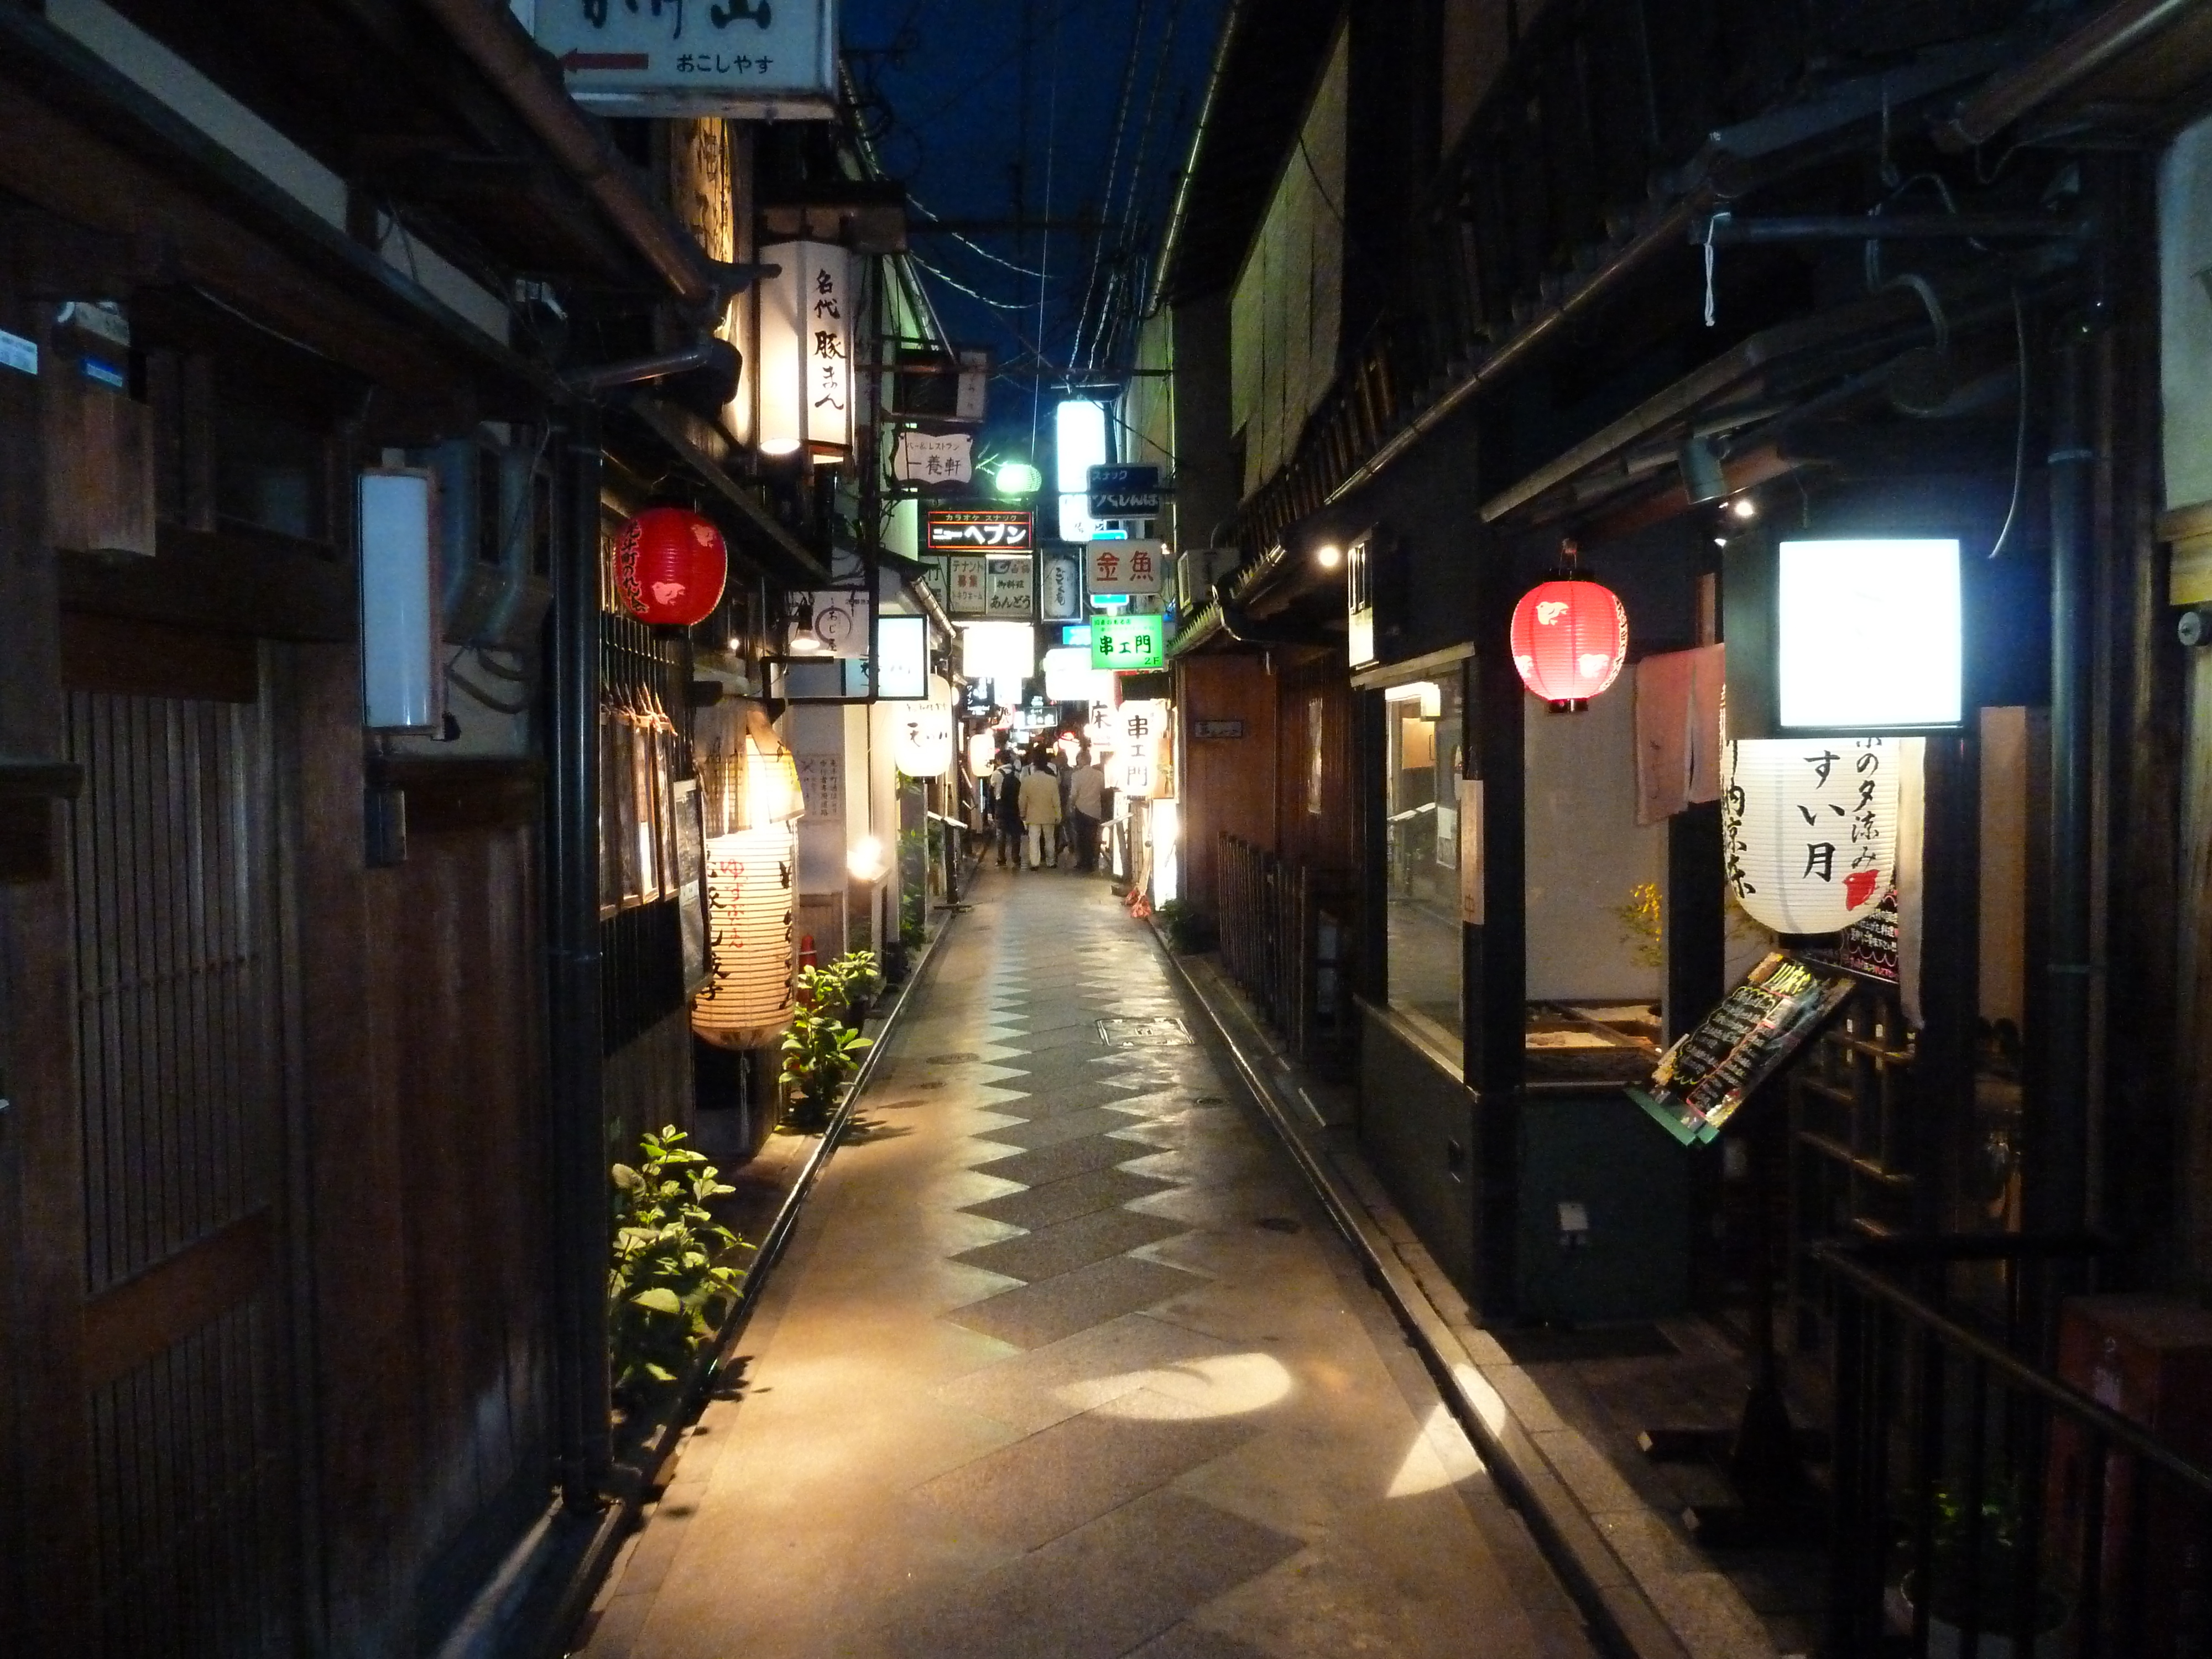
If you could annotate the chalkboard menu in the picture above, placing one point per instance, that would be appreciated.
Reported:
(1700, 1082)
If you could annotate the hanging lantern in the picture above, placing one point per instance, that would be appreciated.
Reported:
(1569, 637)
(669, 566)
(804, 374)
(751, 903)
(1810, 828)
(921, 736)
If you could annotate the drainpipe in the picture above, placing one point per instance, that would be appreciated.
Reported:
(572, 928)
(497, 44)
(2063, 1148)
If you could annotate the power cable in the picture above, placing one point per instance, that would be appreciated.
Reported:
(1113, 173)
(1044, 246)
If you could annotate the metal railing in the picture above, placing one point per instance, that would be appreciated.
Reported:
(1982, 1506)
(1277, 944)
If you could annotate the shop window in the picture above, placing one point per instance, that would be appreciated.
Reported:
(1423, 734)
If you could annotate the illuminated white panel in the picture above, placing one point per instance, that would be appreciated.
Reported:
(998, 651)
(1869, 635)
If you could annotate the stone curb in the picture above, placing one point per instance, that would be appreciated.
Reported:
(1642, 1590)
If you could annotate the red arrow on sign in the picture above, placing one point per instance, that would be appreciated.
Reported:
(605, 60)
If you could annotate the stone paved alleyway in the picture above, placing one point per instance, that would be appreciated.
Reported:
(1063, 1361)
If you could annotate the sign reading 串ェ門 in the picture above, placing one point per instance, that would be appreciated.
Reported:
(768, 59)
(1700, 1082)
(1120, 642)
(976, 530)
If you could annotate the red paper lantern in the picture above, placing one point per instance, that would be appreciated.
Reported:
(1570, 638)
(669, 566)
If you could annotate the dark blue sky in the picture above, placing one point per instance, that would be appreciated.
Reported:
(949, 115)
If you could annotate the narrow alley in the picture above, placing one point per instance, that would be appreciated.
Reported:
(1064, 1361)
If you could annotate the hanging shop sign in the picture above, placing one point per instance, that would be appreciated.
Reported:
(1867, 635)
(1703, 1080)
(772, 60)
(965, 587)
(669, 566)
(976, 529)
(1569, 639)
(1125, 569)
(934, 457)
(1003, 651)
(1124, 492)
(1809, 830)
(902, 657)
(1137, 729)
(1059, 591)
(1010, 587)
(922, 739)
(1128, 643)
(836, 618)
(804, 377)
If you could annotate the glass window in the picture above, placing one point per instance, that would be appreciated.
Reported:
(1424, 727)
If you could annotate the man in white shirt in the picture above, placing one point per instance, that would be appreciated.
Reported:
(1086, 808)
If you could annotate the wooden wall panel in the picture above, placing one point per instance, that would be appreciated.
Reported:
(1227, 784)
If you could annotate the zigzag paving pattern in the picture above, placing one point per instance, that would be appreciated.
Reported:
(1063, 1364)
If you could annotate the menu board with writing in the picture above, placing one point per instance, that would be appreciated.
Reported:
(1701, 1081)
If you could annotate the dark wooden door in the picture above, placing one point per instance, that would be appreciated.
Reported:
(179, 1000)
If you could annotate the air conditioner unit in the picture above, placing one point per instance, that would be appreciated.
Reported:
(1197, 571)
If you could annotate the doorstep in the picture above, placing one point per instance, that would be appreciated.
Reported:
(1623, 1559)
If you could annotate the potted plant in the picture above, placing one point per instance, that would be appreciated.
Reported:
(666, 1282)
(820, 1051)
(1985, 1580)
(858, 984)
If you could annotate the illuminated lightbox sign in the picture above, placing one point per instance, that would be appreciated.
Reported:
(902, 657)
(766, 59)
(1869, 635)
(968, 529)
(1128, 643)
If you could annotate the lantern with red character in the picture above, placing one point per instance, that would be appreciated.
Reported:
(1569, 637)
(670, 565)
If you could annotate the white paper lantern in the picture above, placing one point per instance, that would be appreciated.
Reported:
(1810, 830)
(750, 902)
(921, 738)
(803, 372)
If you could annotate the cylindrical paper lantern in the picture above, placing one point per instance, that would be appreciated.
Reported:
(669, 566)
(1569, 637)
(1810, 830)
(752, 900)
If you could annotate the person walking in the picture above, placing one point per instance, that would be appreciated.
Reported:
(1006, 808)
(1086, 808)
(1040, 800)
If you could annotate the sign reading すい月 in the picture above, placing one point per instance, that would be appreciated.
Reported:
(1128, 643)
(755, 57)
(1129, 569)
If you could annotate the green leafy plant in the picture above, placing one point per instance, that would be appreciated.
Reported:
(1640, 925)
(666, 1282)
(820, 1051)
(1185, 925)
(1996, 1563)
(858, 980)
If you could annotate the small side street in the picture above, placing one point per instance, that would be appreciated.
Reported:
(1064, 1359)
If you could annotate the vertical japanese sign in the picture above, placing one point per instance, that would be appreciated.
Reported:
(767, 59)
(965, 593)
(804, 377)
(1060, 594)
(1010, 587)
(1138, 733)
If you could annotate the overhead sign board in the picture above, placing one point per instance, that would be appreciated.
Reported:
(763, 59)
(1059, 591)
(1128, 643)
(934, 457)
(1122, 476)
(1125, 492)
(902, 657)
(1010, 587)
(965, 585)
(978, 529)
(1124, 568)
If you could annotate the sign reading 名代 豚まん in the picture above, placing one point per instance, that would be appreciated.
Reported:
(976, 530)
(1127, 569)
(1128, 643)
(766, 59)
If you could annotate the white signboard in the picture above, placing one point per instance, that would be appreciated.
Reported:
(933, 458)
(1059, 597)
(966, 596)
(922, 739)
(1124, 568)
(998, 651)
(1010, 587)
(1137, 744)
(902, 657)
(765, 59)
(840, 618)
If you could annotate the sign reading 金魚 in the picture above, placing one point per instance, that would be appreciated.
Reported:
(1128, 643)
(763, 58)
(1125, 568)
(978, 529)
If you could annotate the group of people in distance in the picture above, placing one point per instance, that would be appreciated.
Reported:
(1040, 803)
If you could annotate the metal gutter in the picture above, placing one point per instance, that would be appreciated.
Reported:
(1230, 22)
(2082, 55)
(489, 33)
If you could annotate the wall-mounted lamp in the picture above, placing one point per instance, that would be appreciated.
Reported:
(1329, 555)
(1744, 508)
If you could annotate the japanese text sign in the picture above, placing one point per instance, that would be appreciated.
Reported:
(1809, 830)
(767, 59)
(965, 595)
(1010, 587)
(933, 458)
(1128, 643)
(998, 529)
(1061, 591)
(1127, 567)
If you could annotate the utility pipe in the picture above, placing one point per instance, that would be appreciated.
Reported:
(489, 33)
(2109, 36)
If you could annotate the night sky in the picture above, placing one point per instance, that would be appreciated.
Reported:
(944, 86)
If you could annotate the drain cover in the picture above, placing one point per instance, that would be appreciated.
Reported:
(1279, 1223)
(1162, 1031)
(952, 1060)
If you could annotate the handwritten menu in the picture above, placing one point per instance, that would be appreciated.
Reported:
(1702, 1081)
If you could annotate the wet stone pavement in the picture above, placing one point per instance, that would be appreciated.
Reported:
(1063, 1361)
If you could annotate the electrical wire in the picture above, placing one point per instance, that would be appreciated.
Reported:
(2020, 427)
(1044, 243)
(1113, 173)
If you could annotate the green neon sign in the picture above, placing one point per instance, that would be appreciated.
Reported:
(1128, 642)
